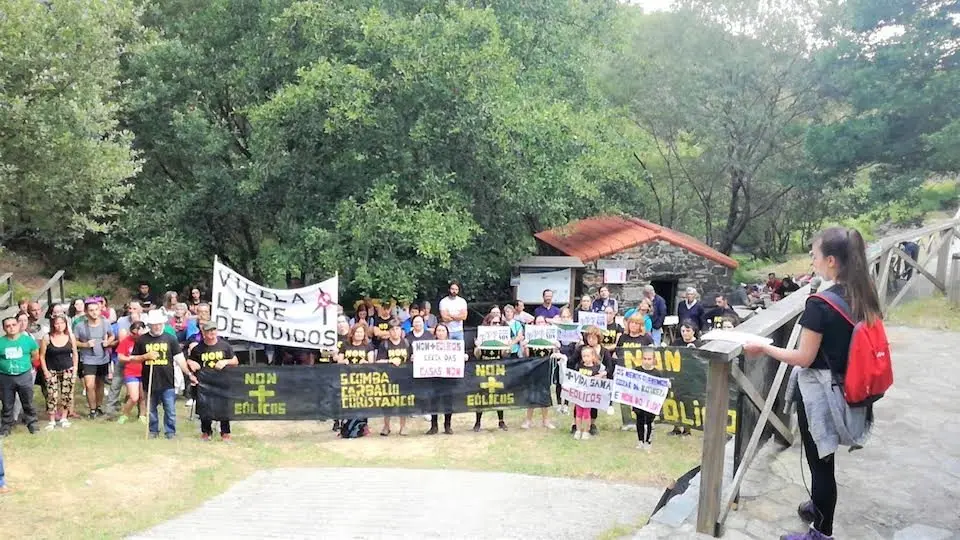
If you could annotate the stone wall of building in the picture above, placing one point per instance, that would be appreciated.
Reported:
(658, 261)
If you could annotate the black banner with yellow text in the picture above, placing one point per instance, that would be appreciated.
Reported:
(688, 390)
(335, 391)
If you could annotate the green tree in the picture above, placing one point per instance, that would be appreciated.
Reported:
(65, 163)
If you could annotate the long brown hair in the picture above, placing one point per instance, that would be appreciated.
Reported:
(847, 247)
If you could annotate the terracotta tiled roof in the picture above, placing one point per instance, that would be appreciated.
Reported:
(597, 237)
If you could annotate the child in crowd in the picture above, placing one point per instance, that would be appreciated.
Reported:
(648, 365)
(589, 366)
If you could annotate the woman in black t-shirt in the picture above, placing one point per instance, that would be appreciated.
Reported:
(631, 340)
(358, 349)
(839, 255)
(688, 335)
(481, 353)
(445, 403)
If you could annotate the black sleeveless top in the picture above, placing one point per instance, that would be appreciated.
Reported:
(59, 358)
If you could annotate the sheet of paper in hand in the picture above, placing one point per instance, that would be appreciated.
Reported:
(639, 389)
(540, 336)
(493, 337)
(438, 358)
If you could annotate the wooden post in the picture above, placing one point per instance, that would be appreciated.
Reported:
(953, 286)
(715, 436)
(943, 258)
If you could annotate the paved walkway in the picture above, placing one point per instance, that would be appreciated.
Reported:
(400, 503)
(904, 485)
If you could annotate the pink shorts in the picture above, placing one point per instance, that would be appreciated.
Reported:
(581, 413)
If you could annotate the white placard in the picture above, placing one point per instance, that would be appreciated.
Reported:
(589, 318)
(591, 392)
(568, 332)
(304, 317)
(493, 333)
(441, 358)
(614, 275)
(548, 332)
(638, 389)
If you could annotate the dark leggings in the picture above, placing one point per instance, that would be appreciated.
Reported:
(499, 416)
(446, 420)
(823, 488)
(644, 425)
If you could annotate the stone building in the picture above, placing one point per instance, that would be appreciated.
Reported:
(631, 252)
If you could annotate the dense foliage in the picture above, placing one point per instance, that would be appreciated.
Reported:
(401, 143)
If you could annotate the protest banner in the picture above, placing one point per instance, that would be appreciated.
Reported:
(589, 318)
(342, 391)
(590, 392)
(684, 404)
(304, 317)
(493, 337)
(543, 335)
(638, 389)
(568, 332)
(438, 358)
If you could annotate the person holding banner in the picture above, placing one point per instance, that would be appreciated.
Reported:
(485, 352)
(394, 350)
(542, 348)
(418, 329)
(212, 353)
(648, 365)
(358, 349)
(516, 331)
(589, 366)
(629, 343)
(441, 333)
(592, 341)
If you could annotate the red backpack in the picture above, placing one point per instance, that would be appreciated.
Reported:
(869, 366)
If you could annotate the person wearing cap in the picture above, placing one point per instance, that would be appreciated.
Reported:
(161, 355)
(211, 354)
(397, 351)
(94, 339)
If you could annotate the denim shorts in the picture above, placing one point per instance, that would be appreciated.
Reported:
(128, 380)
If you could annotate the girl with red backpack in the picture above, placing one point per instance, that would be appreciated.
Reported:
(848, 313)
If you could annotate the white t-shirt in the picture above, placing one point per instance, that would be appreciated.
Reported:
(454, 306)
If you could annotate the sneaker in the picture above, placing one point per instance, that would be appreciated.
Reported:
(648, 446)
(154, 435)
(51, 425)
(205, 437)
(64, 423)
(476, 427)
(122, 420)
(549, 425)
(426, 417)
(593, 429)
(810, 534)
(676, 431)
(92, 415)
(685, 432)
(525, 424)
(336, 425)
(225, 437)
(628, 427)
(502, 425)
(99, 412)
(143, 419)
(586, 435)
(610, 410)
(559, 409)
(640, 446)
(807, 512)
(33, 429)
(170, 436)
(577, 435)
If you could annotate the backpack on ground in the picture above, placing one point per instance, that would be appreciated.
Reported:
(869, 365)
(351, 429)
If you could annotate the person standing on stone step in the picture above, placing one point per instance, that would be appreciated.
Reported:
(839, 255)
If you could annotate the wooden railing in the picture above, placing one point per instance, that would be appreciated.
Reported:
(6, 299)
(887, 262)
(45, 295)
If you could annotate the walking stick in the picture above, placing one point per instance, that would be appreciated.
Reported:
(149, 397)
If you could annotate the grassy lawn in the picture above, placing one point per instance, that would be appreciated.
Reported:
(934, 312)
(98, 479)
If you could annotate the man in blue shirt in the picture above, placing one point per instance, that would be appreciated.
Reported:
(548, 311)
(658, 315)
(604, 301)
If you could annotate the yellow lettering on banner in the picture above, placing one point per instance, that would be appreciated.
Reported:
(372, 390)
(671, 360)
(490, 370)
(259, 378)
(490, 400)
(677, 413)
